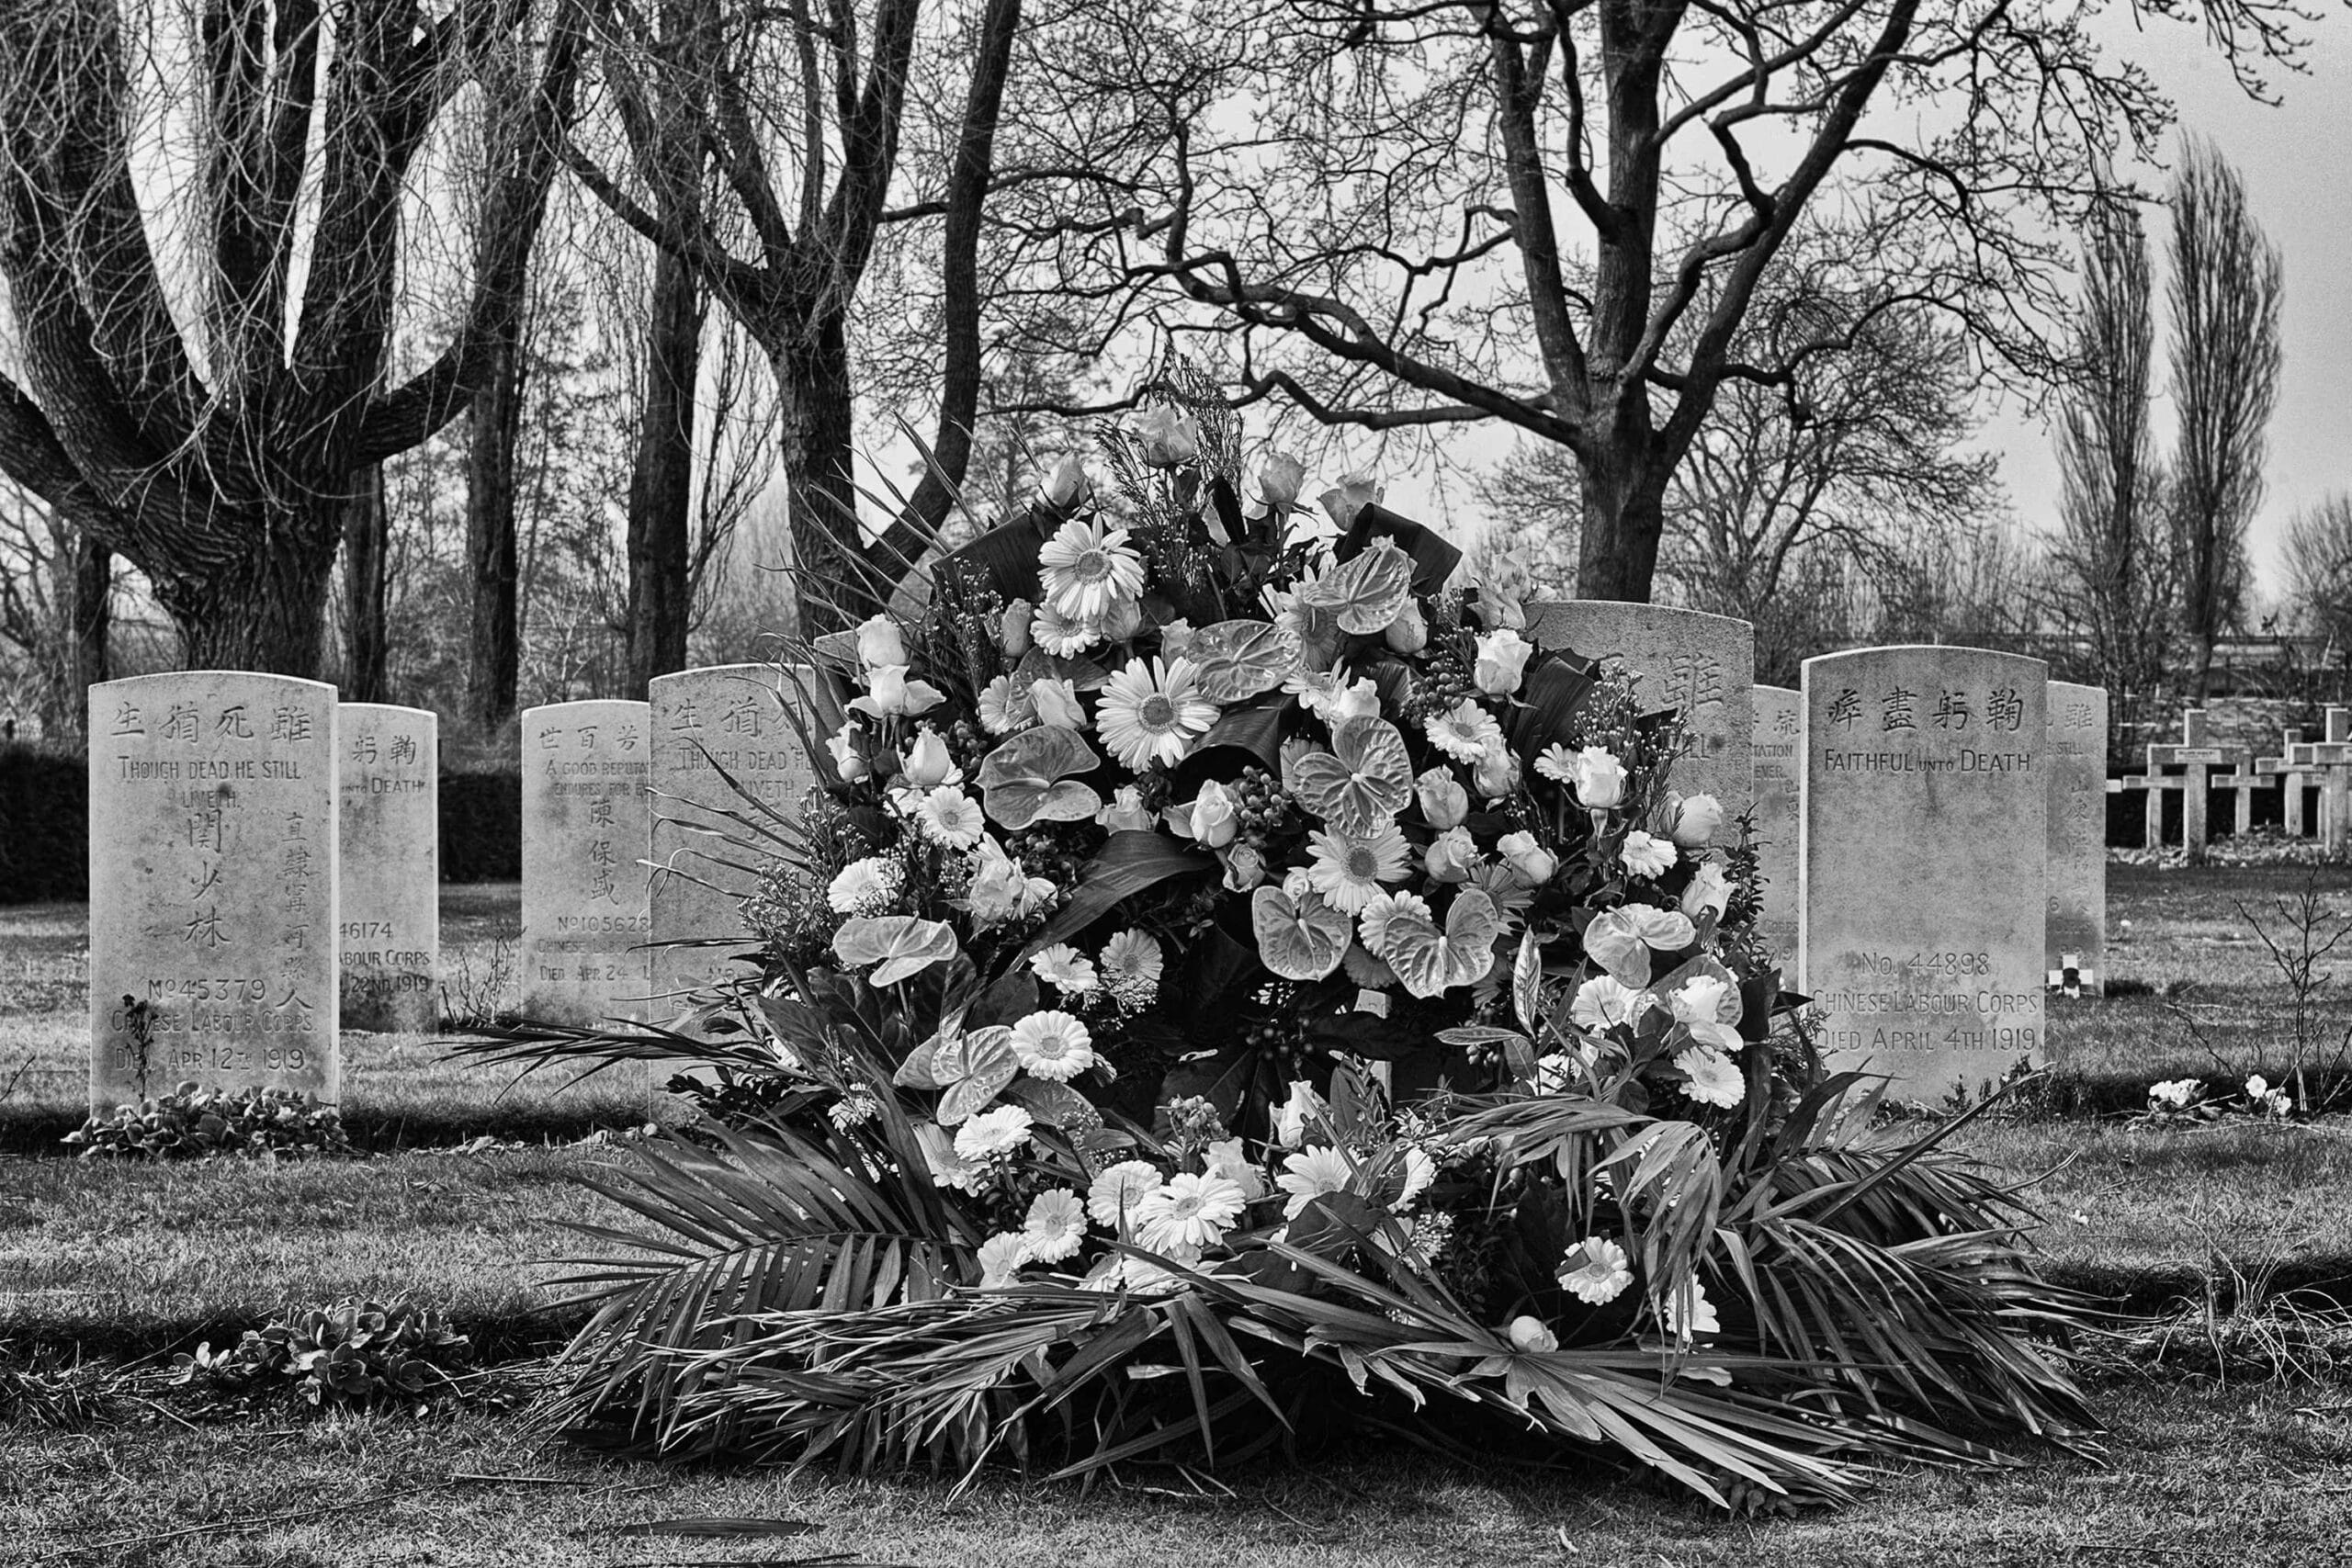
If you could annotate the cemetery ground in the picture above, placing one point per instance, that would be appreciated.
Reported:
(2227, 1394)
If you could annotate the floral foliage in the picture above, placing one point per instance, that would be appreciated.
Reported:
(1226, 946)
(197, 1123)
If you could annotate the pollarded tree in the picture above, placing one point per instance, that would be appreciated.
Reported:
(205, 407)
(1558, 215)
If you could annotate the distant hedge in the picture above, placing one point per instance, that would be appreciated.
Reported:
(45, 816)
(44, 826)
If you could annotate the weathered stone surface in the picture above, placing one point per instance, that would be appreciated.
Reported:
(2076, 934)
(585, 919)
(729, 717)
(212, 884)
(1705, 665)
(1926, 804)
(1780, 731)
(390, 918)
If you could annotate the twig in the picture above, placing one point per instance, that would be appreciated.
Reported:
(235, 1526)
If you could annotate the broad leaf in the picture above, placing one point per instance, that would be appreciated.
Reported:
(1434, 557)
(1128, 861)
(1238, 660)
(1028, 779)
(900, 945)
(1055, 1104)
(1362, 782)
(1365, 593)
(1301, 938)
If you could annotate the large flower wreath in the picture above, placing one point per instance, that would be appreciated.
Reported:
(1233, 985)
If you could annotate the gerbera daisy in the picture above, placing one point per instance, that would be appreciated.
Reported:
(952, 818)
(1153, 715)
(1595, 1271)
(1646, 854)
(1373, 919)
(864, 887)
(1464, 732)
(1715, 1078)
(1065, 968)
(1348, 871)
(1131, 966)
(1118, 1192)
(1311, 1174)
(1055, 1226)
(1086, 566)
(1005, 707)
(993, 1132)
(1191, 1211)
(1064, 635)
(1053, 1044)
(1698, 1319)
(1601, 1002)
(1001, 1258)
(1557, 763)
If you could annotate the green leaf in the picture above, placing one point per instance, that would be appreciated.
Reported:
(1129, 862)
(1239, 659)
(1027, 779)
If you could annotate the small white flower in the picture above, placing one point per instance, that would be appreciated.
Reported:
(1644, 855)
(2173, 1094)
(1602, 1003)
(1112, 1197)
(864, 887)
(1053, 1045)
(890, 694)
(881, 643)
(1529, 1338)
(952, 818)
(847, 761)
(1191, 1211)
(1464, 732)
(1557, 763)
(1065, 968)
(1123, 812)
(1230, 1160)
(1715, 1078)
(1131, 966)
(1001, 1258)
(1311, 1174)
(1531, 863)
(1595, 1271)
(1056, 1227)
(1698, 1319)
(1443, 800)
(1064, 635)
(993, 1132)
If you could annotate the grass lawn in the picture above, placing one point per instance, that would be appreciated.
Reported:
(2194, 1473)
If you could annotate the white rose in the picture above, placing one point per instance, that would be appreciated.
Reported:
(1530, 862)
(1709, 890)
(1496, 773)
(927, 761)
(1443, 800)
(1214, 821)
(1409, 632)
(1696, 819)
(1502, 662)
(1056, 701)
(879, 642)
(1449, 856)
(1279, 481)
(1124, 813)
(1350, 495)
(1529, 1337)
(846, 759)
(1599, 777)
(1013, 631)
(1066, 486)
(1165, 438)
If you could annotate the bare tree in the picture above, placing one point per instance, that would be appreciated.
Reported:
(219, 458)
(2319, 571)
(56, 607)
(2225, 286)
(801, 114)
(1559, 214)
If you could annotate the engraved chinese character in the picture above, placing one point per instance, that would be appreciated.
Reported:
(293, 824)
(302, 1008)
(234, 723)
(1952, 711)
(600, 851)
(630, 735)
(742, 716)
(603, 885)
(403, 749)
(1785, 722)
(297, 860)
(2078, 715)
(296, 937)
(600, 812)
(1846, 708)
(204, 830)
(689, 717)
(290, 724)
(2005, 709)
(363, 749)
(203, 883)
(127, 720)
(1693, 681)
(204, 930)
(549, 740)
(587, 733)
(182, 723)
(1896, 709)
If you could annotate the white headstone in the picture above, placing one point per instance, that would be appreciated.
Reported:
(1780, 732)
(1703, 665)
(212, 884)
(710, 726)
(586, 920)
(2077, 935)
(390, 798)
(1926, 802)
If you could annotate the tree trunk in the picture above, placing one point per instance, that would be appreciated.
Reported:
(661, 485)
(837, 587)
(1624, 515)
(264, 611)
(495, 669)
(93, 571)
(367, 551)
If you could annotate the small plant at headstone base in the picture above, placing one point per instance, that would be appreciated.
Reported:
(44, 1390)
(354, 1354)
(2183, 1103)
(478, 999)
(197, 1123)
(2309, 934)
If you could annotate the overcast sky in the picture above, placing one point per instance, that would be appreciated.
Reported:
(2295, 158)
